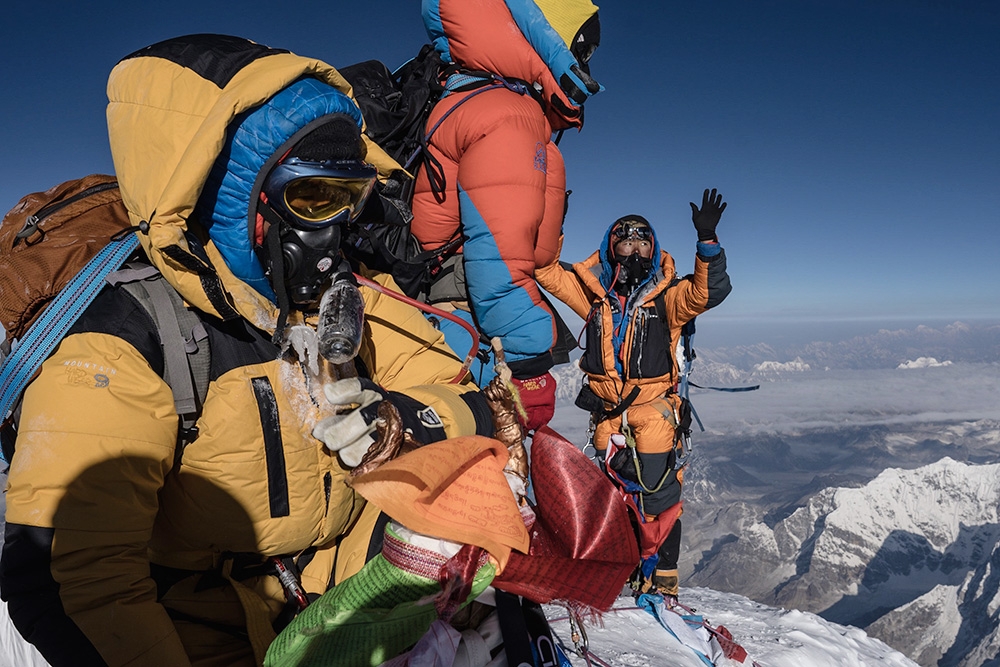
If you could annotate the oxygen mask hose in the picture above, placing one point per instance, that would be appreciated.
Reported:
(341, 321)
(427, 308)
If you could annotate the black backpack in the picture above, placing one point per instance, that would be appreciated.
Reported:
(396, 106)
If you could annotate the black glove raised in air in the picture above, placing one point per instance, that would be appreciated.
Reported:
(706, 220)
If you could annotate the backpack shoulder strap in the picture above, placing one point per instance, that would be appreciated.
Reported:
(186, 351)
(38, 342)
(476, 83)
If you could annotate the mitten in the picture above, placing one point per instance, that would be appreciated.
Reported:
(537, 396)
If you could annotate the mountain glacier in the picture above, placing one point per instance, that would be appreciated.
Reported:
(911, 556)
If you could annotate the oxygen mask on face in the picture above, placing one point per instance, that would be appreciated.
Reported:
(632, 270)
(310, 202)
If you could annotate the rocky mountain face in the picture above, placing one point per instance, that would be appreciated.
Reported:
(950, 625)
(912, 556)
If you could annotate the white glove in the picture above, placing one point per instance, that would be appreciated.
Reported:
(349, 433)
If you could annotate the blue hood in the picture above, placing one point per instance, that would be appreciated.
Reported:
(224, 207)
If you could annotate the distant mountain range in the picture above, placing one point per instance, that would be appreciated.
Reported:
(913, 557)
(919, 347)
(860, 483)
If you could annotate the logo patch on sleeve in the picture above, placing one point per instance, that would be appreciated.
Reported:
(429, 418)
(541, 158)
(89, 374)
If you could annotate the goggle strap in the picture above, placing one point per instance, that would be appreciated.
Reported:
(265, 209)
(272, 243)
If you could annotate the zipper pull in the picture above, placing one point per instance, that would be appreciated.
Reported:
(30, 227)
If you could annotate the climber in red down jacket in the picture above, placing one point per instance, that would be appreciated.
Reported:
(494, 180)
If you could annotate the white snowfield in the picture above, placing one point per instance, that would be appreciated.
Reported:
(772, 637)
(14, 651)
(630, 637)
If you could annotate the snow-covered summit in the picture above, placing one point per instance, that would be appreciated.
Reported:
(854, 554)
(771, 368)
(923, 362)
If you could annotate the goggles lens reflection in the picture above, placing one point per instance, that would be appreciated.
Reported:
(631, 230)
(316, 199)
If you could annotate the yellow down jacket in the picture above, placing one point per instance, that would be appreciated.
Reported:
(121, 548)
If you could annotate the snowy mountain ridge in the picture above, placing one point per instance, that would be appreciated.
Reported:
(897, 500)
(950, 625)
(923, 542)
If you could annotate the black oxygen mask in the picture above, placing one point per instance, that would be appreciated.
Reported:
(308, 258)
(633, 270)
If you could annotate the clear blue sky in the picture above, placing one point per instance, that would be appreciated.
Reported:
(857, 142)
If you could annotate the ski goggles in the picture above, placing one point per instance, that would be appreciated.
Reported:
(313, 195)
(633, 230)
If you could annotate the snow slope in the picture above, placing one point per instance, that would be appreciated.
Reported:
(913, 556)
(630, 637)
(772, 637)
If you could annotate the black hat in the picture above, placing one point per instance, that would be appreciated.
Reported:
(339, 138)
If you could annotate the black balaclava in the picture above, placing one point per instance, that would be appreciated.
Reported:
(338, 139)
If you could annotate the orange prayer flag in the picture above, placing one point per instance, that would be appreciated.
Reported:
(454, 489)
